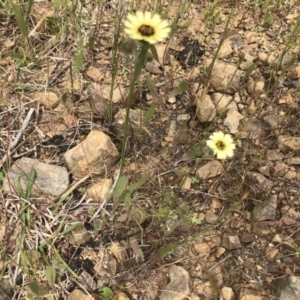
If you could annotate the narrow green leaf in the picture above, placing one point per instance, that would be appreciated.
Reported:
(126, 197)
(37, 289)
(167, 249)
(63, 265)
(50, 275)
(30, 5)
(91, 40)
(154, 52)
(79, 55)
(19, 188)
(184, 208)
(71, 227)
(18, 57)
(20, 20)
(1, 177)
(151, 87)
(185, 24)
(121, 185)
(138, 184)
(250, 69)
(31, 179)
(149, 114)
(181, 87)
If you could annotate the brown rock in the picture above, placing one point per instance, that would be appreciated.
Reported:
(271, 253)
(246, 237)
(232, 120)
(223, 102)
(293, 161)
(225, 78)
(286, 142)
(48, 99)
(266, 210)
(95, 73)
(202, 248)
(79, 295)
(255, 87)
(252, 130)
(225, 49)
(290, 175)
(249, 294)
(87, 280)
(206, 110)
(286, 99)
(96, 154)
(220, 251)
(280, 169)
(231, 242)
(100, 190)
(227, 293)
(78, 235)
(179, 286)
(258, 183)
(120, 296)
(294, 73)
(209, 170)
(211, 217)
(274, 155)
(261, 229)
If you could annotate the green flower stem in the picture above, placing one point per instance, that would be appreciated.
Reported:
(136, 73)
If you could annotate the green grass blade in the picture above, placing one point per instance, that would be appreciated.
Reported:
(20, 20)
(149, 114)
(31, 179)
(138, 184)
(121, 185)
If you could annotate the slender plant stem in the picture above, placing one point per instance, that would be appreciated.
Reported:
(136, 73)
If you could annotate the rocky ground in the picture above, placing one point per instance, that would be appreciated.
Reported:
(179, 224)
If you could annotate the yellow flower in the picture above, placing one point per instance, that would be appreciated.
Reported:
(146, 27)
(221, 144)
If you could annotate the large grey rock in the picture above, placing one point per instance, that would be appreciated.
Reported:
(50, 180)
(96, 154)
(288, 288)
(179, 286)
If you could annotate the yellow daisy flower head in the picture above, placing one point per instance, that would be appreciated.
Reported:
(221, 144)
(148, 27)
